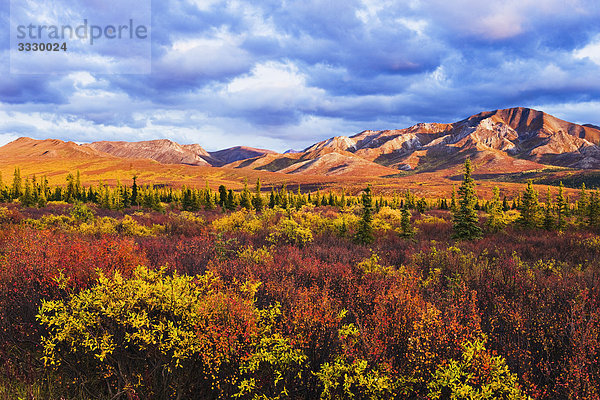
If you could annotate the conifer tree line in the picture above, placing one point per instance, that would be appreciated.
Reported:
(550, 214)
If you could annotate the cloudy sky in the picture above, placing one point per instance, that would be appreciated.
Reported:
(283, 74)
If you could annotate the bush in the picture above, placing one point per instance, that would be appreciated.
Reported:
(289, 231)
(239, 221)
(478, 375)
(153, 335)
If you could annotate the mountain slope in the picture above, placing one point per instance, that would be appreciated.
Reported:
(500, 141)
(237, 153)
(501, 136)
(25, 147)
(163, 151)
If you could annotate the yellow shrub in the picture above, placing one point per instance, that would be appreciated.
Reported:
(371, 265)
(430, 219)
(130, 227)
(256, 256)
(289, 231)
(100, 226)
(239, 221)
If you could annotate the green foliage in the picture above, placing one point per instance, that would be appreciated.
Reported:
(273, 370)
(406, 230)
(466, 220)
(593, 219)
(548, 221)
(289, 231)
(530, 208)
(372, 266)
(364, 234)
(582, 203)
(561, 207)
(153, 334)
(81, 213)
(346, 378)
(496, 220)
(478, 375)
(257, 200)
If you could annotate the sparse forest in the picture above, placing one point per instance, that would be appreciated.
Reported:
(140, 291)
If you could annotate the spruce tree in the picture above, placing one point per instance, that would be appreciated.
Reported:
(548, 212)
(223, 197)
(364, 235)
(406, 230)
(582, 203)
(530, 208)
(17, 186)
(27, 197)
(505, 206)
(561, 208)
(246, 201)
(231, 203)
(466, 220)
(496, 221)
(134, 192)
(453, 205)
(257, 200)
(594, 210)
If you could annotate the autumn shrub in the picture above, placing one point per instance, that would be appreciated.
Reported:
(290, 232)
(189, 255)
(30, 263)
(153, 335)
(478, 374)
(387, 219)
(130, 227)
(349, 377)
(185, 223)
(81, 213)
(239, 221)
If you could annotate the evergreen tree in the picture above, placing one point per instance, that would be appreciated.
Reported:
(223, 197)
(530, 208)
(594, 210)
(187, 203)
(548, 212)
(42, 200)
(272, 199)
(561, 208)
(231, 203)
(209, 200)
(246, 200)
(364, 234)
(282, 197)
(582, 203)
(505, 206)
(421, 205)
(496, 221)
(27, 199)
(466, 220)
(406, 230)
(453, 205)
(17, 186)
(257, 201)
(134, 191)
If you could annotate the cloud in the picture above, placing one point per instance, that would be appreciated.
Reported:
(285, 74)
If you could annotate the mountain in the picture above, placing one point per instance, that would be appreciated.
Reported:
(509, 140)
(48, 149)
(164, 151)
(501, 141)
(237, 153)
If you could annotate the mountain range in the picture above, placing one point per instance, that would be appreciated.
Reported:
(508, 140)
